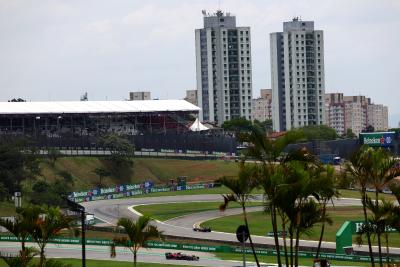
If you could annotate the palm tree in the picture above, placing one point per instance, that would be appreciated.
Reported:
(22, 225)
(382, 216)
(22, 259)
(384, 170)
(48, 225)
(269, 152)
(293, 197)
(360, 167)
(377, 168)
(241, 188)
(139, 232)
(326, 192)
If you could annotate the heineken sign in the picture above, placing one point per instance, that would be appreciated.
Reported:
(383, 139)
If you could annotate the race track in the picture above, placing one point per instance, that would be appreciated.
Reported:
(110, 210)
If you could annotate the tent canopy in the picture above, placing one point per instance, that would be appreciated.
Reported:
(197, 126)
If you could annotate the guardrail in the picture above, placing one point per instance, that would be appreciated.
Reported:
(203, 248)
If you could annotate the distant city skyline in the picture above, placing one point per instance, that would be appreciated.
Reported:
(57, 50)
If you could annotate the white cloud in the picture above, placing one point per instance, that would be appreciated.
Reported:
(100, 26)
(107, 48)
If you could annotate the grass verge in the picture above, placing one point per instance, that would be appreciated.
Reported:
(260, 224)
(271, 259)
(168, 211)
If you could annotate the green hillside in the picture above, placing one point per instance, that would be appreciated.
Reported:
(156, 170)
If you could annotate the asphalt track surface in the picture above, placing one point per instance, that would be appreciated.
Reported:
(144, 255)
(110, 210)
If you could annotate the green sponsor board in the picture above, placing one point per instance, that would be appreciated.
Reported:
(344, 236)
(383, 139)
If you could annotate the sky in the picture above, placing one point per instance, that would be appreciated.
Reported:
(57, 50)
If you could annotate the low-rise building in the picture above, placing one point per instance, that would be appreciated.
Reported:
(262, 106)
(143, 95)
(355, 113)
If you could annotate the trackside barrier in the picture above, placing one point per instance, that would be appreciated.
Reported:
(204, 248)
(123, 191)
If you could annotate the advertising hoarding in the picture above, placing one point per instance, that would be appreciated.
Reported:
(378, 139)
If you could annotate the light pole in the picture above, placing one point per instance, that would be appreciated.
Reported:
(81, 209)
(58, 131)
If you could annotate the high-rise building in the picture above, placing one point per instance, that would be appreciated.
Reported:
(297, 75)
(191, 96)
(223, 68)
(139, 96)
(262, 106)
(355, 113)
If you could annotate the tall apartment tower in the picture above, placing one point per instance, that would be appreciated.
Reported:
(297, 75)
(223, 69)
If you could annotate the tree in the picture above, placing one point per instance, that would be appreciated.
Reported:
(53, 154)
(236, 125)
(265, 125)
(382, 171)
(318, 132)
(241, 188)
(101, 172)
(369, 129)
(121, 149)
(47, 226)
(270, 175)
(22, 225)
(302, 213)
(23, 258)
(378, 222)
(18, 162)
(138, 232)
(3, 192)
(325, 192)
(350, 134)
(360, 167)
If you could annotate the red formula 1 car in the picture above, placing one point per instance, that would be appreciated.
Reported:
(180, 256)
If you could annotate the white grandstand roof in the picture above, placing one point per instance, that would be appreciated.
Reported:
(95, 107)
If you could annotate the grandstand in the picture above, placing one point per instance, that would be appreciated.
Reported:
(150, 124)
